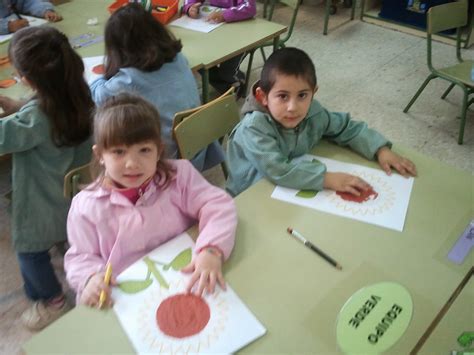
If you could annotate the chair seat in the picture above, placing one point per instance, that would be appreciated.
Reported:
(461, 72)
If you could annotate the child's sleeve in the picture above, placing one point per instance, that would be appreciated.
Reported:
(262, 151)
(83, 259)
(344, 131)
(211, 206)
(36, 7)
(22, 131)
(4, 26)
(188, 4)
(243, 10)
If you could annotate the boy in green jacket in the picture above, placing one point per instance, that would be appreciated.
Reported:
(282, 121)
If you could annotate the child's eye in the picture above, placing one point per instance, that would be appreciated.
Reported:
(303, 95)
(145, 150)
(118, 151)
(282, 96)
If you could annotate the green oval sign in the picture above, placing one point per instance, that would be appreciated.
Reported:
(374, 318)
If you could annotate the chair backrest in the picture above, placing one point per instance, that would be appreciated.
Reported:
(195, 129)
(76, 179)
(447, 16)
(293, 4)
(444, 17)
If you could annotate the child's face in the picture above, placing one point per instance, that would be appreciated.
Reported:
(130, 166)
(288, 100)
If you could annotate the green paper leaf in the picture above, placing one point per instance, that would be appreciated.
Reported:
(135, 286)
(181, 260)
(306, 193)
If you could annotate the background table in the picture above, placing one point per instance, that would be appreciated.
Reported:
(203, 50)
(295, 293)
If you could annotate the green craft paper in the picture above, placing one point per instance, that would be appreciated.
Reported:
(306, 193)
(134, 286)
(374, 318)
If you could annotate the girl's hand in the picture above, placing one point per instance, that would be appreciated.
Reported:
(388, 160)
(207, 269)
(193, 11)
(345, 183)
(215, 17)
(52, 16)
(15, 25)
(91, 293)
(9, 105)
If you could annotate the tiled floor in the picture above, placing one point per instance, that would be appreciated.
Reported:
(362, 68)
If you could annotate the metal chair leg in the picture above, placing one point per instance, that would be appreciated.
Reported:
(422, 87)
(326, 17)
(249, 69)
(353, 9)
(463, 116)
(447, 91)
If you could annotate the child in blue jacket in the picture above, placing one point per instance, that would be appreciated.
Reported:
(9, 10)
(282, 121)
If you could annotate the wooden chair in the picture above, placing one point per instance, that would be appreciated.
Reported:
(195, 129)
(442, 18)
(76, 179)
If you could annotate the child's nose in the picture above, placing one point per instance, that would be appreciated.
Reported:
(131, 162)
(291, 105)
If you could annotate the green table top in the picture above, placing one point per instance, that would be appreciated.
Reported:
(296, 294)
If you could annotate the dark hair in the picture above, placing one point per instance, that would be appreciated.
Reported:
(133, 38)
(288, 61)
(126, 120)
(45, 58)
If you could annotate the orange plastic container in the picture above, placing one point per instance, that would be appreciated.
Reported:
(168, 9)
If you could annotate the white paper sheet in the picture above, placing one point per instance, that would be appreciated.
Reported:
(89, 64)
(33, 21)
(387, 210)
(230, 327)
(200, 24)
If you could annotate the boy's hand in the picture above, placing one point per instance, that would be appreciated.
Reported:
(345, 183)
(207, 270)
(9, 105)
(52, 16)
(388, 160)
(193, 11)
(91, 293)
(15, 25)
(215, 17)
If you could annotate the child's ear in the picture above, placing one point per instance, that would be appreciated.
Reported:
(261, 96)
(96, 152)
(315, 90)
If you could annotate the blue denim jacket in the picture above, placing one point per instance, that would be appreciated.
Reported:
(29, 7)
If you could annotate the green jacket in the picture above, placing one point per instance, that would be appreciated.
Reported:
(39, 209)
(259, 147)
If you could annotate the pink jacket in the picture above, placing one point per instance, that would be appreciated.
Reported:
(234, 10)
(104, 226)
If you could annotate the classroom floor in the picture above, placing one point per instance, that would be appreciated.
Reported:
(368, 70)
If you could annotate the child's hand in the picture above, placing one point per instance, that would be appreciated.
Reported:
(207, 269)
(215, 17)
(9, 105)
(91, 293)
(15, 25)
(193, 10)
(52, 16)
(345, 183)
(388, 159)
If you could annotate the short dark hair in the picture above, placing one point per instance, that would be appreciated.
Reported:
(288, 61)
(133, 38)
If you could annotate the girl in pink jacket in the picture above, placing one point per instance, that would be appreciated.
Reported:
(140, 201)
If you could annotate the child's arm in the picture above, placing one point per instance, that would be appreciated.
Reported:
(9, 105)
(215, 211)
(40, 9)
(243, 10)
(388, 159)
(191, 8)
(83, 259)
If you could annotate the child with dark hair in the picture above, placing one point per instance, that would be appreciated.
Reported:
(227, 73)
(9, 20)
(139, 201)
(47, 137)
(143, 58)
(282, 121)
